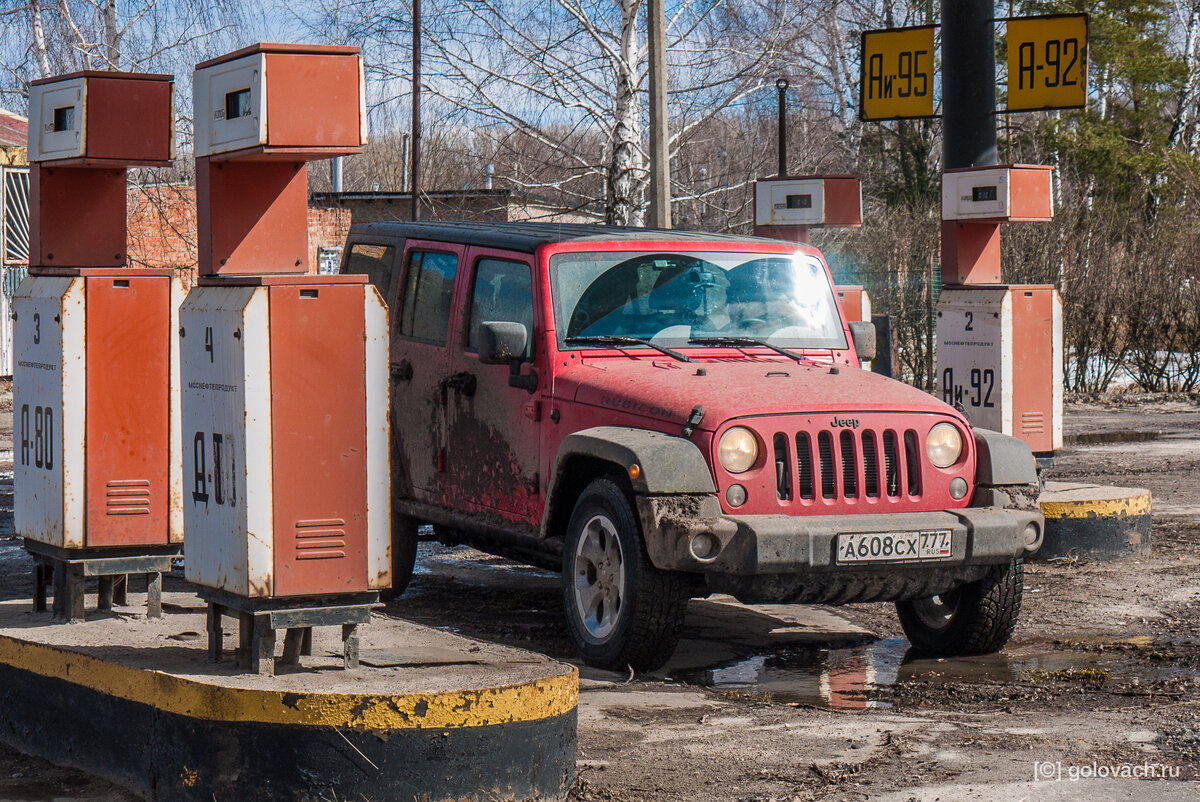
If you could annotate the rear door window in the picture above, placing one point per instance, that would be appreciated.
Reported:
(428, 296)
(377, 263)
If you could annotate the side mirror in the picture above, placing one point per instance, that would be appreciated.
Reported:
(502, 342)
(863, 333)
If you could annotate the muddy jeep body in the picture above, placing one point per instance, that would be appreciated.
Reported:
(509, 441)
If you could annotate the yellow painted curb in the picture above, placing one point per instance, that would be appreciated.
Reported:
(1097, 507)
(529, 701)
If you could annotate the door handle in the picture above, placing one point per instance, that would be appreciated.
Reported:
(402, 371)
(464, 383)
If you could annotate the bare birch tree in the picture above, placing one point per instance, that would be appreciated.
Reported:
(39, 38)
(565, 79)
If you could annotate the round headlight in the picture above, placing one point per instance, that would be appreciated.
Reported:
(943, 445)
(738, 449)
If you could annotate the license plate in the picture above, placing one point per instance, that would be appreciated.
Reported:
(871, 547)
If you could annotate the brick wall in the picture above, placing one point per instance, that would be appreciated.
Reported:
(162, 228)
(327, 228)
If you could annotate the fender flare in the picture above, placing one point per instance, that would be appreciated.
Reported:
(668, 464)
(1002, 460)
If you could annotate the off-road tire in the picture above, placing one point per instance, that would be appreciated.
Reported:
(404, 555)
(979, 616)
(652, 602)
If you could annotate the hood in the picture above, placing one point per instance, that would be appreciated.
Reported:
(663, 388)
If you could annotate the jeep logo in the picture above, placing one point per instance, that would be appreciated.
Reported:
(845, 423)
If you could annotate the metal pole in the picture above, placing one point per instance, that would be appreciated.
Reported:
(660, 159)
(416, 111)
(968, 83)
(335, 174)
(404, 161)
(781, 86)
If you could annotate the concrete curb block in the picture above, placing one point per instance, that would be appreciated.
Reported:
(172, 738)
(1095, 522)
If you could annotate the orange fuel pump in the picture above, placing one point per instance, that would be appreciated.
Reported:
(285, 393)
(95, 390)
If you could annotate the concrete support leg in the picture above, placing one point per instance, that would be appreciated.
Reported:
(42, 574)
(216, 636)
(154, 595)
(73, 598)
(105, 594)
(350, 645)
(293, 642)
(245, 640)
(262, 647)
(306, 643)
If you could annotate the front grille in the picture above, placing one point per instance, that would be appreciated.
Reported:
(848, 465)
(828, 480)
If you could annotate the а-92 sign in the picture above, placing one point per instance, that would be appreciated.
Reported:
(897, 74)
(1047, 62)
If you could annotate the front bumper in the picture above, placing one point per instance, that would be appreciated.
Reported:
(754, 545)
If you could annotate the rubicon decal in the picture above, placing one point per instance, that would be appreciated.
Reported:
(845, 423)
(630, 405)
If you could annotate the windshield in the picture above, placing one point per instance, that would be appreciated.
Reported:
(672, 298)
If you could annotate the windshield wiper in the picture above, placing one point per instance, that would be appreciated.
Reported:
(748, 341)
(615, 340)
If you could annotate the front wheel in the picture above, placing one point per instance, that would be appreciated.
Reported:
(976, 618)
(621, 610)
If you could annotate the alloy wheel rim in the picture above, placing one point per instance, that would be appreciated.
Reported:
(599, 580)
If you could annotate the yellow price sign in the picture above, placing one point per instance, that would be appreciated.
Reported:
(1047, 62)
(897, 74)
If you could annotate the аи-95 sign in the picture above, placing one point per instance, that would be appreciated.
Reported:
(897, 74)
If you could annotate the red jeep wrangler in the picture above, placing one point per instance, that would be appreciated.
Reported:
(667, 414)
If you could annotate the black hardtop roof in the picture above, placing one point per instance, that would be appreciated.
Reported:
(527, 237)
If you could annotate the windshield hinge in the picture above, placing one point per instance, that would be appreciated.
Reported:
(693, 420)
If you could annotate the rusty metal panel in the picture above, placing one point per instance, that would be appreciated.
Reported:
(48, 410)
(318, 432)
(130, 118)
(379, 468)
(77, 216)
(128, 409)
(313, 100)
(305, 100)
(227, 450)
(115, 117)
(1037, 386)
(252, 217)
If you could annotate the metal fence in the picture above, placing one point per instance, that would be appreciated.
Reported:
(14, 251)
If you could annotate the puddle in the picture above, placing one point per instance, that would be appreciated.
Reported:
(843, 677)
(837, 677)
(1099, 438)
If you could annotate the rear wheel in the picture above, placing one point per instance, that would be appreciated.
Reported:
(621, 611)
(404, 554)
(976, 618)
